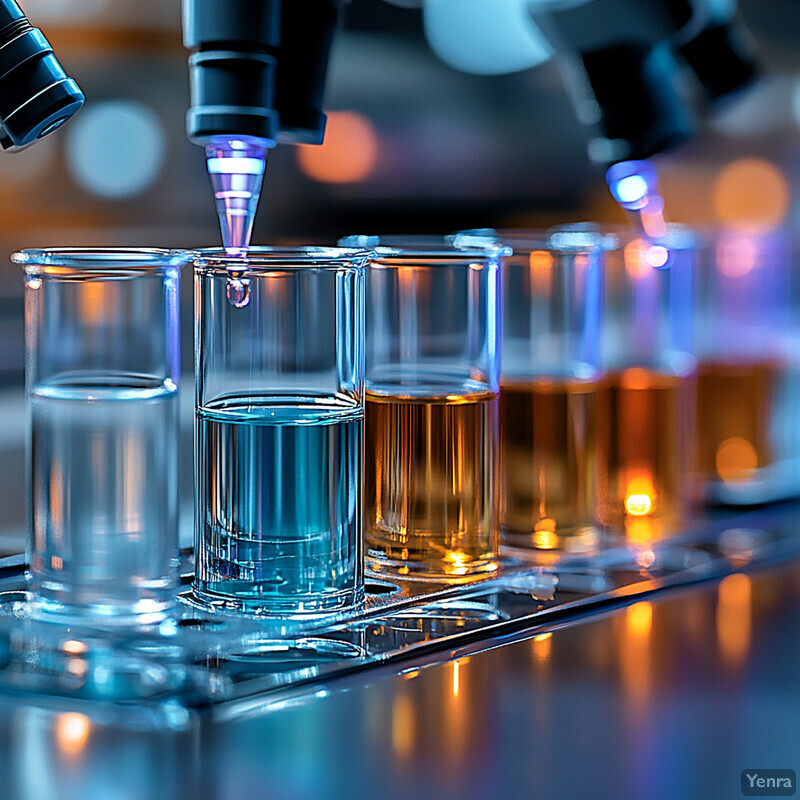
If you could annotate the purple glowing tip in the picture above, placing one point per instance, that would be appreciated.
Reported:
(236, 166)
(632, 183)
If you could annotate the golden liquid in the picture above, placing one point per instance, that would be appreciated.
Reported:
(430, 494)
(548, 436)
(734, 410)
(646, 429)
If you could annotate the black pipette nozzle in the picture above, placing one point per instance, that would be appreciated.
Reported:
(36, 96)
(232, 74)
(641, 110)
(724, 58)
(259, 67)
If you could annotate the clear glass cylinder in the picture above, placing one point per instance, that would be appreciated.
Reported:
(647, 406)
(748, 433)
(102, 374)
(279, 430)
(549, 389)
(432, 367)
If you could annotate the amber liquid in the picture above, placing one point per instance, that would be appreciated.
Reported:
(430, 495)
(646, 429)
(548, 435)
(734, 410)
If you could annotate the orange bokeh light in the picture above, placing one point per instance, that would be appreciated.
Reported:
(349, 153)
(751, 195)
(736, 459)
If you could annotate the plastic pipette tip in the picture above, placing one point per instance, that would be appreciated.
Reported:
(236, 168)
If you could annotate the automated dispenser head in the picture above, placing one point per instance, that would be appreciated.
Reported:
(257, 77)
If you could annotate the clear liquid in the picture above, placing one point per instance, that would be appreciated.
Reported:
(103, 517)
(279, 504)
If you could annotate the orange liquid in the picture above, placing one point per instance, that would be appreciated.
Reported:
(548, 433)
(430, 495)
(646, 431)
(734, 403)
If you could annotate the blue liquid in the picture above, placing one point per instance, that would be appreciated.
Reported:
(103, 522)
(279, 504)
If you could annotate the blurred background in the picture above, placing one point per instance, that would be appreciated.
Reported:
(413, 145)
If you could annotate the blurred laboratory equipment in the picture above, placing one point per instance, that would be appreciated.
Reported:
(36, 96)
(279, 430)
(647, 407)
(748, 435)
(432, 367)
(102, 375)
(550, 384)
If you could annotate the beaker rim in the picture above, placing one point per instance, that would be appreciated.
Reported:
(92, 259)
(476, 245)
(281, 258)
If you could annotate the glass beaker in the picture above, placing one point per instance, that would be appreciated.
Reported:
(279, 430)
(549, 388)
(102, 373)
(747, 431)
(431, 441)
(647, 406)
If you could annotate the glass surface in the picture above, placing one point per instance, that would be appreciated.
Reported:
(431, 471)
(647, 404)
(551, 379)
(279, 431)
(102, 371)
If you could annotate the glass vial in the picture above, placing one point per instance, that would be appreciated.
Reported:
(279, 423)
(549, 389)
(102, 374)
(647, 406)
(748, 435)
(433, 368)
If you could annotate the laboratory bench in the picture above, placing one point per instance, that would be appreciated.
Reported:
(654, 672)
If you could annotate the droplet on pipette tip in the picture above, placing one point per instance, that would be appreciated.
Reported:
(238, 291)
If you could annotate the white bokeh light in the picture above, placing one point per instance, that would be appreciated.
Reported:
(116, 148)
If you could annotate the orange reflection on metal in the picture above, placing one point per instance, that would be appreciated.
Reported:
(72, 733)
(734, 618)
(403, 724)
(635, 657)
(542, 645)
(639, 619)
(456, 678)
(736, 459)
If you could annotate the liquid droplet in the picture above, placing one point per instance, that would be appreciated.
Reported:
(238, 291)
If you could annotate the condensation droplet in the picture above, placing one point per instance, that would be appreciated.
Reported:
(238, 291)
